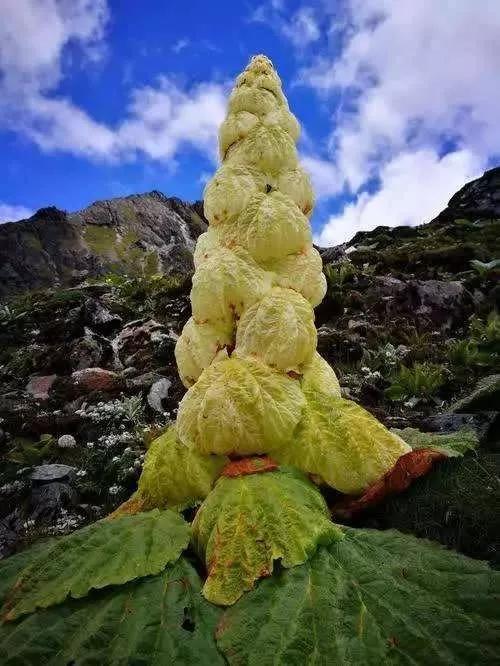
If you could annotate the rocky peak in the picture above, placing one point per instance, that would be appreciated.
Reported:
(141, 234)
(479, 198)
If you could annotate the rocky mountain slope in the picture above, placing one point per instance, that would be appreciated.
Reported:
(94, 302)
(135, 235)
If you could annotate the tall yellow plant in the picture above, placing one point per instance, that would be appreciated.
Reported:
(248, 354)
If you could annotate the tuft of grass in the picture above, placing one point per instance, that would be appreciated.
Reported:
(101, 239)
(145, 293)
(422, 380)
(463, 354)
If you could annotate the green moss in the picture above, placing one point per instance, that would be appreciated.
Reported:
(457, 504)
(122, 251)
(101, 240)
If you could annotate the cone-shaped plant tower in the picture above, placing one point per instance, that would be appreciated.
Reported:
(262, 412)
(248, 354)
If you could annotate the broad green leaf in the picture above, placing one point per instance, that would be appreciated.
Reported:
(340, 442)
(372, 598)
(105, 553)
(157, 620)
(11, 567)
(451, 444)
(176, 475)
(248, 522)
(484, 396)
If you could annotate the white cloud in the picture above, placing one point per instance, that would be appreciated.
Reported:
(415, 187)
(413, 74)
(180, 45)
(165, 118)
(302, 29)
(35, 33)
(9, 213)
(324, 174)
(159, 121)
(408, 81)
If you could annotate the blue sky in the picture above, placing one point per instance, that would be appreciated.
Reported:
(398, 99)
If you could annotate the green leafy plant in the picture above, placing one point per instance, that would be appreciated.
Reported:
(240, 543)
(343, 611)
(27, 451)
(422, 380)
(463, 354)
(122, 592)
(338, 274)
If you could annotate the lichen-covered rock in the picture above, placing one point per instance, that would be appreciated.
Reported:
(96, 379)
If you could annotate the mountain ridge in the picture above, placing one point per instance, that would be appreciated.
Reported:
(138, 234)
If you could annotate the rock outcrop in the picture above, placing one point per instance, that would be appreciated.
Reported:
(140, 234)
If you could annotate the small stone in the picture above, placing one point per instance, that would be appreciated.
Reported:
(157, 393)
(53, 472)
(39, 387)
(97, 379)
(51, 499)
(99, 317)
(66, 442)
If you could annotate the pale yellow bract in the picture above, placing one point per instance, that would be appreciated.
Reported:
(270, 228)
(240, 406)
(197, 347)
(256, 383)
(279, 329)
